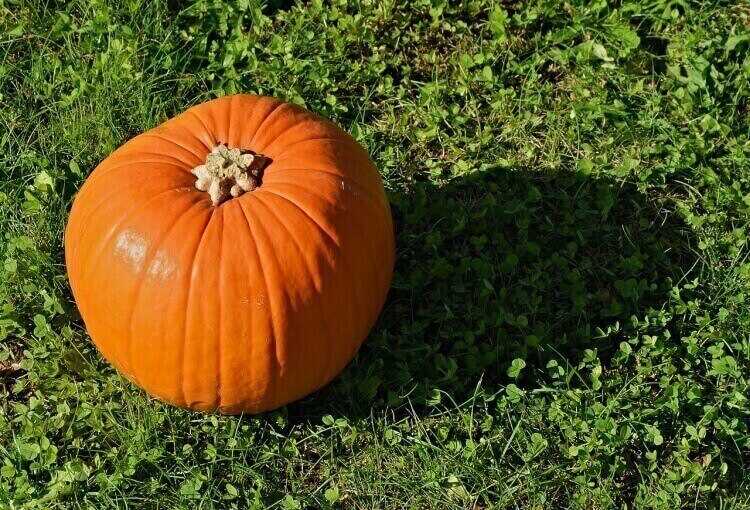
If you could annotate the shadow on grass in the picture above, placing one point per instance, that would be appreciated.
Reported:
(502, 265)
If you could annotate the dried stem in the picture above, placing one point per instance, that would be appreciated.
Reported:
(228, 173)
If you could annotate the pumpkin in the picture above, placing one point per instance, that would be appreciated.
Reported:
(233, 258)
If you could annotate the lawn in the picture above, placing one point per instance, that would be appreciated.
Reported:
(568, 325)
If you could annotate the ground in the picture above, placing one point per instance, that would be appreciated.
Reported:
(568, 325)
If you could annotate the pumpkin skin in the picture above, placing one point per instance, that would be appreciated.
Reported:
(244, 306)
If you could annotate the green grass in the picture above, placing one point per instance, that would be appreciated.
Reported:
(568, 325)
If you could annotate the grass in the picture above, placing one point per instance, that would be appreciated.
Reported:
(568, 325)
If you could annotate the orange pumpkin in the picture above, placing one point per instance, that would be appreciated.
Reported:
(233, 258)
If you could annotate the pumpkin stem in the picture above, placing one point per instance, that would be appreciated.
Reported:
(228, 173)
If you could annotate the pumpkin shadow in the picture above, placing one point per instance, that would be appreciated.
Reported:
(500, 265)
